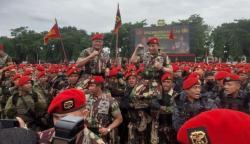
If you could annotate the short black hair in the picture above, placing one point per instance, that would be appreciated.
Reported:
(18, 136)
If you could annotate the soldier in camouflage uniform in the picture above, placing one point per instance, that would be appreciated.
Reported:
(189, 103)
(115, 83)
(69, 102)
(105, 115)
(6, 86)
(93, 60)
(164, 109)
(155, 64)
(27, 104)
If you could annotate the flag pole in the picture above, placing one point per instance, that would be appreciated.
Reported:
(116, 47)
(64, 53)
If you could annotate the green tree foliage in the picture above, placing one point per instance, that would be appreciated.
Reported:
(233, 37)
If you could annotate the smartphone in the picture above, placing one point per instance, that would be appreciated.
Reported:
(8, 123)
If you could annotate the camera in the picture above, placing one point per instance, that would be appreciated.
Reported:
(66, 130)
(8, 123)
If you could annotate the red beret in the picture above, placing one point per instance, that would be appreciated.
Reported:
(175, 68)
(167, 76)
(219, 126)
(67, 101)
(232, 77)
(40, 68)
(220, 75)
(194, 74)
(16, 76)
(153, 40)
(28, 72)
(11, 68)
(113, 72)
(97, 36)
(24, 80)
(130, 73)
(41, 74)
(73, 70)
(189, 82)
(97, 80)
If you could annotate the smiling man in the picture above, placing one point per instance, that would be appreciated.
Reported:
(92, 59)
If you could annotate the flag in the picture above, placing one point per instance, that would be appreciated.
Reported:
(52, 34)
(118, 21)
(171, 35)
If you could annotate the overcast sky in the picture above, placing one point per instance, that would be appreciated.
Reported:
(99, 15)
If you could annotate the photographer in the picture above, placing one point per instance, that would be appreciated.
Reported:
(69, 102)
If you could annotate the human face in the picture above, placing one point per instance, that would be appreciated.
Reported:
(153, 48)
(167, 85)
(97, 44)
(177, 74)
(27, 87)
(83, 112)
(199, 71)
(194, 92)
(132, 80)
(94, 89)
(231, 87)
(73, 78)
(43, 79)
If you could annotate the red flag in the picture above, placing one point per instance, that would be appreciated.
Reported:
(52, 34)
(171, 35)
(118, 21)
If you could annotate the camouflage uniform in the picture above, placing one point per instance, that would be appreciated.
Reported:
(5, 93)
(142, 95)
(57, 84)
(46, 137)
(184, 109)
(102, 110)
(97, 65)
(30, 108)
(166, 132)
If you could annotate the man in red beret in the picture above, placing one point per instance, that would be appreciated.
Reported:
(92, 59)
(189, 103)
(115, 83)
(105, 114)
(153, 58)
(164, 106)
(69, 102)
(131, 77)
(26, 104)
(234, 98)
(73, 75)
(42, 84)
(6, 84)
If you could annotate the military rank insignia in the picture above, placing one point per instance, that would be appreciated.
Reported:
(198, 136)
(69, 104)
